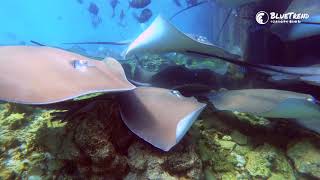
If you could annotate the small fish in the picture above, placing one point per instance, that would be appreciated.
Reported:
(189, 7)
(80, 1)
(93, 9)
(122, 15)
(177, 2)
(59, 18)
(144, 16)
(139, 4)
(113, 4)
(191, 2)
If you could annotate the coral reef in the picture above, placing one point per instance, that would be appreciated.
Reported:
(147, 163)
(229, 151)
(305, 155)
(91, 142)
(19, 155)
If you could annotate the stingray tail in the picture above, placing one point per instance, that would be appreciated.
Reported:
(242, 63)
(106, 42)
(224, 24)
(37, 43)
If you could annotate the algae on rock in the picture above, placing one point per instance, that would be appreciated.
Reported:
(306, 157)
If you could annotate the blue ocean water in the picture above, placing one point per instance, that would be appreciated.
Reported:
(56, 22)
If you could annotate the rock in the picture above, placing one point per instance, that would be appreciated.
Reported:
(215, 151)
(50, 138)
(241, 161)
(258, 165)
(184, 162)
(209, 175)
(306, 157)
(93, 137)
(228, 145)
(252, 119)
(266, 160)
(145, 162)
(228, 176)
(7, 174)
(9, 141)
(34, 178)
(68, 150)
(14, 121)
(239, 138)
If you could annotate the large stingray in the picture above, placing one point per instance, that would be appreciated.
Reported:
(162, 36)
(308, 74)
(307, 28)
(271, 103)
(44, 75)
(152, 114)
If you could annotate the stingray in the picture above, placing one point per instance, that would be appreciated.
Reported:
(308, 74)
(271, 103)
(149, 113)
(314, 79)
(307, 28)
(161, 36)
(189, 82)
(41, 75)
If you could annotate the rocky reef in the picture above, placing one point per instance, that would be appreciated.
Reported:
(91, 142)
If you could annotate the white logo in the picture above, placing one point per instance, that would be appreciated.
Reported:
(262, 17)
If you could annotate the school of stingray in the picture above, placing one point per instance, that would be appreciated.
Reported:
(41, 75)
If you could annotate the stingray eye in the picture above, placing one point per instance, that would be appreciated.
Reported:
(311, 99)
(176, 93)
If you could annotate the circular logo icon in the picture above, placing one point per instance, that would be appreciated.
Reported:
(262, 17)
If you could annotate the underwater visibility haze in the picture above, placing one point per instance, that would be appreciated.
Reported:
(160, 89)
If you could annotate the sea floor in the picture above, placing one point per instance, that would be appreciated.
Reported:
(95, 144)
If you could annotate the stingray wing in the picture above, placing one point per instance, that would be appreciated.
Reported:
(255, 101)
(161, 36)
(309, 27)
(159, 116)
(43, 75)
